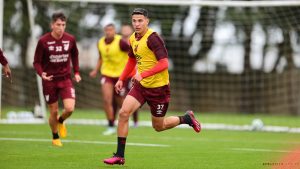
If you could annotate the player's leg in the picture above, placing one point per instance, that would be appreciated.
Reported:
(67, 93)
(53, 108)
(69, 105)
(158, 100)
(118, 101)
(135, 117)
(116, 107)
(107, 95)
(50, 92)
(129, 105)
(159, 122)
(189, 118)
(132, 102)
(121, 96)
(163, 123)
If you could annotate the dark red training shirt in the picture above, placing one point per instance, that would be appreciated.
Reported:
(55, 56)
(3, 60)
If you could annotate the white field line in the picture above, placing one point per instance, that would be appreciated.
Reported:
(208, 126)
(166, 138)
(262, 150)
(82, 142)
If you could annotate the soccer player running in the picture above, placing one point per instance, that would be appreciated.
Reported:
(149, 53)
(54, 53)
(112, 60)
(4, 63)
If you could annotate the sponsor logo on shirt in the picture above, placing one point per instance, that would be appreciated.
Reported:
(51, 42)
(136, 48)
(66, 46)
(59, 58)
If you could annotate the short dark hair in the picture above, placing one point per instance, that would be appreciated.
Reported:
(140, 11)
(58, 15)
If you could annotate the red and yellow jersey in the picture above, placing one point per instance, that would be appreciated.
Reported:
(146, 59)
(112, 57)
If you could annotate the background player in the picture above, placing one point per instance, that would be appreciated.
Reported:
(126, 32)
(112, 60)
(53, 55)
(148, 52)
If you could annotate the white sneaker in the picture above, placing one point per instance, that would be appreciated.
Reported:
(109, 131)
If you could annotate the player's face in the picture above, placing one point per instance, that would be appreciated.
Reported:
(140, 24)
(109, 31)
(126, 31)
(58, 27)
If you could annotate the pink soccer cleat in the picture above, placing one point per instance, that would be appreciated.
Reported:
(194, 123)
(114, 160)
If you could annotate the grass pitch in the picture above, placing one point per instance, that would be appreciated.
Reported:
(29, 147)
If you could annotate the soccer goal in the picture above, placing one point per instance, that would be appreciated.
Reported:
(225, 56)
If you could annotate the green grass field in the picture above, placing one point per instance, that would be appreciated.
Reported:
(29, 146)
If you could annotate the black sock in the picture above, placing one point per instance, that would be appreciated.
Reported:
(55, 136)
(121, 146)
(111, 123)
(60, 119)
(185, 119)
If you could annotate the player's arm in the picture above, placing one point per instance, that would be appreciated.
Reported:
(37, 62)
(124, 46)
(130, 66)
(94, 72)
(75, 62)
(160, 66)
(156, 44)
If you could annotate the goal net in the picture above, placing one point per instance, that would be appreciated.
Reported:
(225, 56)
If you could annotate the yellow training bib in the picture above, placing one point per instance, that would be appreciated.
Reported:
(146, 59)
(113, 58)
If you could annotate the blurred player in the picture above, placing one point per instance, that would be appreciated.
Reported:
(4, 63)
(53, 55)
(126, 32)
(112, 60)
(151, 85)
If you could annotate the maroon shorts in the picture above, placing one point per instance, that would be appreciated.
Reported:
(113, 80)
(157, 98)
(53, 89)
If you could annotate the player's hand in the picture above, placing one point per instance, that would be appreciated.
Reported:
(93, 73)
(77, 78)
(137, 77)
(7, 72)
(119, 86)
(47, 78)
